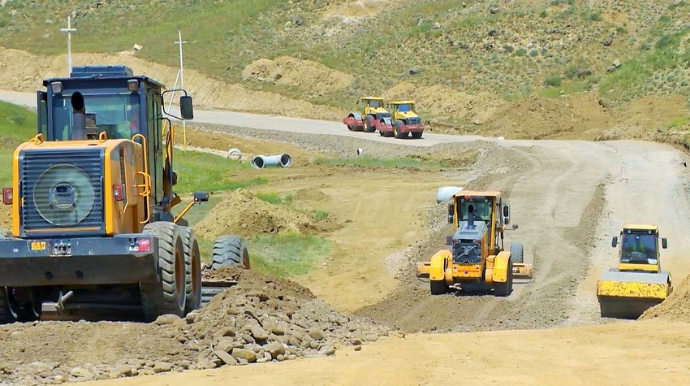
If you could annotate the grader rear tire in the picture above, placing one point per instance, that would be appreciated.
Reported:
(192, 269)
(168, 295)
(230, 250)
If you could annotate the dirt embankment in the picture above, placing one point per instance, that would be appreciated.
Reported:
(242, 213)
(22, 71)
(675, 308)
(260, 320)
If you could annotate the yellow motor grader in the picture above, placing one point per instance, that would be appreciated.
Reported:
(92, 198)
(476, 256)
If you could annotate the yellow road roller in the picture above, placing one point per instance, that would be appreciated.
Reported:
(638, 282)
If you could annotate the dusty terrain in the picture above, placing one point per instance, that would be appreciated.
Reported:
(567, 197)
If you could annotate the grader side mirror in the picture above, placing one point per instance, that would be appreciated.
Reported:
(506, 214)
(186, 107)
(614, 241)
(664, 244)
(451, 213)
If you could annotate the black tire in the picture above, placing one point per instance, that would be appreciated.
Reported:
(438, 287)
(397, 128)
(516, 254)
(168, 295)
(505, 289)
(192, 269)
(369, 127)
(7, 315)
(230, 250)
(417, 134)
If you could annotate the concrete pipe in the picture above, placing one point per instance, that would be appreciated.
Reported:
(446, 192)
(262, 161)
(236, 152)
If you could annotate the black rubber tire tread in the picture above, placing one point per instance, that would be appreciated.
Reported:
(230, 250)
(438, 287)
(417, 134)
(397, 127)
(5, 313)
(516, 253)
(369, 119)
(505, 289)
(163, 297)
(192, 269)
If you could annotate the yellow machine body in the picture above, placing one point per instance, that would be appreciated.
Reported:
(638, 282)
(476, 255)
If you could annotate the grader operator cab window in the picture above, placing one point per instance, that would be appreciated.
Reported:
(481, 206)
(639, 248)
(118, 115)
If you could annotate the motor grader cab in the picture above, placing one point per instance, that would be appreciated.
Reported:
(476, 257)
(404, 121)
(371, 112)
(92, 198)
(638, 282)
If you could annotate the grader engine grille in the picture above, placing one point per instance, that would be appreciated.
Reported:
(62, 189)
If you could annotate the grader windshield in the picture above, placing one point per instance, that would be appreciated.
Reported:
(116, 114)
(481, 206)
(639, 247)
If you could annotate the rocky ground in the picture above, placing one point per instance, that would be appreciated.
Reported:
(259, 320)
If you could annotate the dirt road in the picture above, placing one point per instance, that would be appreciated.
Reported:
(267, 122)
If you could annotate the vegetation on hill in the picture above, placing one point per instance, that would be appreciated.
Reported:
(622, 50)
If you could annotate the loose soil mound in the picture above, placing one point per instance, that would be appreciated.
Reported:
(304, 74)
(243, 214)
(675, 308)
(259, 320)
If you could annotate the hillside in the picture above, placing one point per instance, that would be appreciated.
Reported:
(466, 62)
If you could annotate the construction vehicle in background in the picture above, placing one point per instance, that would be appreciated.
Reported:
(638, 282)
(92, 198)
(405, 121)
(476, 258)
(372, 111)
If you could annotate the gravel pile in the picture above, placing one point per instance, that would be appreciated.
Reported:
(259, 320)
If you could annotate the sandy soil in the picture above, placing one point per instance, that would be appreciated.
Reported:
(602, 355)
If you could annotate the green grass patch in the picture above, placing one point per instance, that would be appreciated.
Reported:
(567, 88)
(678, 122)
(372, 162)
(17, 125)
(275, 198)
(320, 214)
(208, 172)
(288, 254)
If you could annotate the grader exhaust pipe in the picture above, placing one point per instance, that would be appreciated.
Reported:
(262, 161)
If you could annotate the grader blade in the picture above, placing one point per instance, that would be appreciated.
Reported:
(522, 271)
(211, 288)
